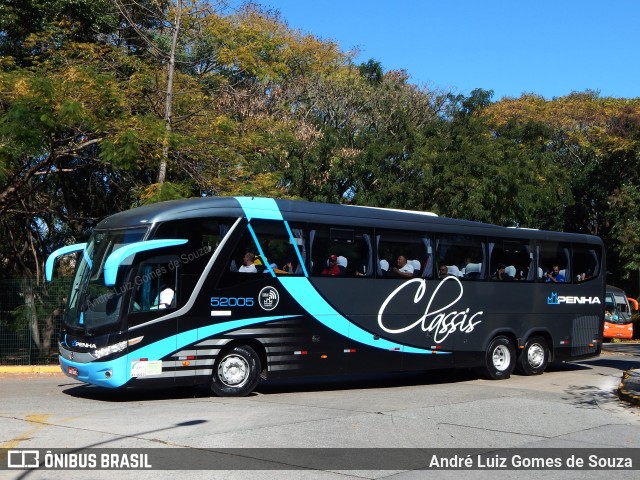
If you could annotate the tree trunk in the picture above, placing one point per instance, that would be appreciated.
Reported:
(171, 65)
(31, 311)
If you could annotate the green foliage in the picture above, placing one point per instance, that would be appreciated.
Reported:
(157, 192)
(261, 109)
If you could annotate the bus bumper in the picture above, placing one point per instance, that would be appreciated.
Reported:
(111, 374)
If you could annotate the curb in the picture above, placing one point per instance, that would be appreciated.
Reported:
(30, 369)
(629, 388)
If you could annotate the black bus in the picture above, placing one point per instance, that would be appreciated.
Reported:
(226, 291)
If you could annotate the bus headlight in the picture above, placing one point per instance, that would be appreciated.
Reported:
(108, 350)
(118, 347)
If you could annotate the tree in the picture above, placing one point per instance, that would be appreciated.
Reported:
(596, 142)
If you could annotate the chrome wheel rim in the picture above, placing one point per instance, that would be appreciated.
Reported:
(535, 355)
(501, 358)
(233, 371)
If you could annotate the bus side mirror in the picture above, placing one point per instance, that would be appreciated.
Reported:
(51, 259)
(118, 256)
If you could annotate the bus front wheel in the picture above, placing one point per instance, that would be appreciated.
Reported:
(499, 359)
(236, 373)
(534, 357)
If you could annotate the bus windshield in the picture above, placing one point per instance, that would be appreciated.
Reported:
(92, 304)
(617, 309)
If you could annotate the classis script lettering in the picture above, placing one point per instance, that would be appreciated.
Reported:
(440, 322)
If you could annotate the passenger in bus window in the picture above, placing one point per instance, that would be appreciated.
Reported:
(501, 274)
(332, 269)
(584, 276)
(166, 298)
(402, 268)
(248, 265)
(288, 267)
(554, 275)
(443, 271)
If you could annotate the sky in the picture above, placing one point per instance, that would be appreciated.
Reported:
(547, 47)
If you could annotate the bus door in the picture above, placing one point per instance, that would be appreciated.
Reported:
(152, 338)
(266, 272)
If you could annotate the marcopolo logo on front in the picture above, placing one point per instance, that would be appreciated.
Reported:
(556, 299)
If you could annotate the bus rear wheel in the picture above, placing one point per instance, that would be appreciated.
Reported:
(236, 373)
(534, 357)
(499, 359)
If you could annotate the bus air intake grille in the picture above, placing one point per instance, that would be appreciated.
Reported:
(585, 329)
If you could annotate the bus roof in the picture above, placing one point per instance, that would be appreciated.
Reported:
(304, 211)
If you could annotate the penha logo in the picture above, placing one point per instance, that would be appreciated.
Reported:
(268, 298)
(556, 299)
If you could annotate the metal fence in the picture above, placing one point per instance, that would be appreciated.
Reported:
(30, 319)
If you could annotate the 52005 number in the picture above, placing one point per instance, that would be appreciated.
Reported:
(231, 302)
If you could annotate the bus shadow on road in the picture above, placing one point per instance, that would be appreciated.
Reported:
(91, 392)
(302, 384)
(621, 364)
(366, 381)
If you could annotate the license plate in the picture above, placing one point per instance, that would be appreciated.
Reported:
(73, 371)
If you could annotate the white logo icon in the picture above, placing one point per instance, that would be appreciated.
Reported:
(23, 459)
(268, 298)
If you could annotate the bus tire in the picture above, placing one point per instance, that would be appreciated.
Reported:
(236, 372)
(499, 359)
(533, 359)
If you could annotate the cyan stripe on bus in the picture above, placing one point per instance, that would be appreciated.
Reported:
(94, 372)
(264, 258)
(261, 208)
(308, 297)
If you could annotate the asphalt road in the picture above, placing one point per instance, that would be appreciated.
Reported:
(569, 406)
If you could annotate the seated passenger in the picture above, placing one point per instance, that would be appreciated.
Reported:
(248, 263)
(443, 271)
(332, 269)
(554, 275)
(166, 298)
(403, 268)
(286, 268)
(501, 274)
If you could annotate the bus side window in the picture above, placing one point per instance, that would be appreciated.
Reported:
(515, 255)
(415, 247)
(462, 255)
(155, 286)
(351, 246)
(278, 251)
(551, 255)
(585, 262)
